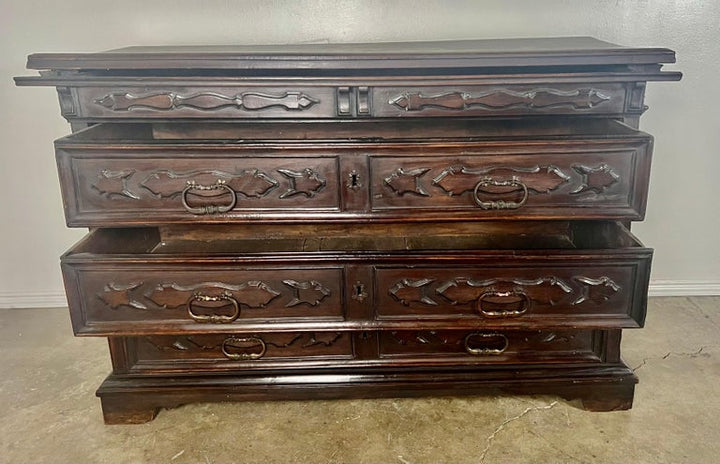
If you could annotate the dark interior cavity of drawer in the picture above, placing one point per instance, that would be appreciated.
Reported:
(352, 131)
(321, 241)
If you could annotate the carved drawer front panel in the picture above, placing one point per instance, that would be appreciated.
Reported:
(599, 294)
(205, 102)
(491, 346)
(575, 99)
(203, 299)
(103, 190)
(222, 352)
(591, 184)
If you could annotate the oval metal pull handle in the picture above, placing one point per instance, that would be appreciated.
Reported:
(485, 343)
(500, 204)
(208, 209)
(213, 318)
(246, 342)
(507, 299)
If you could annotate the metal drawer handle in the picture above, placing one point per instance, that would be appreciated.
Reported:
(213, 318)
(245, 343)
(506, 299)
(483, 343)
(209, 209)
(500, 204)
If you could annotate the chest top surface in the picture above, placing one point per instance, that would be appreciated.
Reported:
(424, 58)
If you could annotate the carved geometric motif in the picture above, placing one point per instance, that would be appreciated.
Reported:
(427, 337)
(111, 183)
(503, 99)
(252, 294)
(458, 180)
(322, 338)
(205, 101)
(307, 292)
(553, 337)
(544, 290)
(167, 184)
(595, 179)
(306, 182)
(596, 290)
(279, 340)
(407, 291)
(402, 181)
(116, 295)
(458, 337)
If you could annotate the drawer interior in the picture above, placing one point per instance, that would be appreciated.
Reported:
(354, 131)
(327, 238)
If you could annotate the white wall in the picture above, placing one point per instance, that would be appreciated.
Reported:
(683, 216)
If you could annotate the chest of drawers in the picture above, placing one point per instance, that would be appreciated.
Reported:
(359, 220)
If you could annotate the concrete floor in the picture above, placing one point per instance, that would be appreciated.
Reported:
(50, 413)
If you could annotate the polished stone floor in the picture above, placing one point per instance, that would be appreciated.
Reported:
(50, 414)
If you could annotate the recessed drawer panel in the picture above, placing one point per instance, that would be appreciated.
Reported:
(165, 102)
(468, 275)
(490, 346)
(543, 183)
(212, 295)
(227, 352)
(141, 187)
(586, 98)
(511, 292)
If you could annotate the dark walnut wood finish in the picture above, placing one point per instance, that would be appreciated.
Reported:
(357, 220)
(463, 169)
(310, 280)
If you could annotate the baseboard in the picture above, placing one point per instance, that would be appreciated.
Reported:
(657, 288)
(10, 300)
(684, 287)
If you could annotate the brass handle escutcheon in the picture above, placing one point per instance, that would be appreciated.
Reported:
(500, 204)
(485, 343)
(213, 318)
(209, 209)
(245, 343)
(504, 299)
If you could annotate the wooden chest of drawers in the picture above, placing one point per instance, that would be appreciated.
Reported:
(297, 222)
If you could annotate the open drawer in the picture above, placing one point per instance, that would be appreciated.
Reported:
(347, 171)
(226, 279)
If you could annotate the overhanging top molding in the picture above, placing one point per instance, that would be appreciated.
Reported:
(410, 57)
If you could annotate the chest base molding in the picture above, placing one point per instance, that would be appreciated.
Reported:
(134, 400)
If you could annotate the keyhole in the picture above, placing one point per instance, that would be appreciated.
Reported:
(354, 180)
(359, 292)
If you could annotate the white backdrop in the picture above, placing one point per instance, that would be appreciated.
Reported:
(683, 217)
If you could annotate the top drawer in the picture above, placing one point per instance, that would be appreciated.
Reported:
(139, 174)
(254, 102)
(487, 78)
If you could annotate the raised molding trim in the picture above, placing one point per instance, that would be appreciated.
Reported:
(9, 300)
